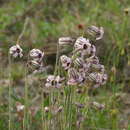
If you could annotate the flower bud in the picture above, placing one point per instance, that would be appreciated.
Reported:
(46, 109)
(66, 41)
(96, 32)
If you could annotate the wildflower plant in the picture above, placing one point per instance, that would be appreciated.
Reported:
(80, 68)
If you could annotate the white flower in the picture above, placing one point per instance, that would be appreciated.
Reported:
(46, 109)
(93, 50)
(16, 51)
(66, 62)
(84, 47)
(58, 81)
(82, 44)
(97, 32)
(88, 52)
(36, 54)
(54, 81)
(66, 41)
(50, 81)
(19, 107)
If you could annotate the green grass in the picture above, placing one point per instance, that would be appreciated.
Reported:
(48, 21)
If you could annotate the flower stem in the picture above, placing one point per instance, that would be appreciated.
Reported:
(10, 91)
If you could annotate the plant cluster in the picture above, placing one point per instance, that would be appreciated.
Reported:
(80, 68)
(82, 65)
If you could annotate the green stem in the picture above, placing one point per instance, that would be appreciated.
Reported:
(10, 91)
(26, 116)
(24, 28)
(42, 108)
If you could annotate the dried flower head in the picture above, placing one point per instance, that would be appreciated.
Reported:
(66, 41)
(96, 32)
(36, 55)
(16, 51)
(66, 62)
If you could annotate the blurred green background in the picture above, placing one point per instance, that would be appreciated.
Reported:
(51, 19)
